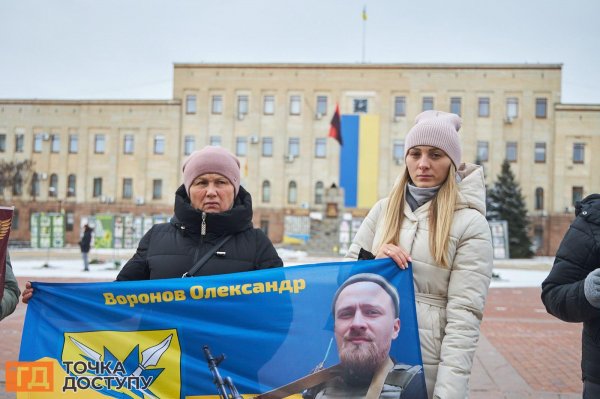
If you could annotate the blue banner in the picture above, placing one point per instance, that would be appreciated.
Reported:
(152, 339)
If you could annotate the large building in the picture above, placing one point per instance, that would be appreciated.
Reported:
(124, 157)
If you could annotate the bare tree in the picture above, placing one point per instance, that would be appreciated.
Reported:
(14, 175)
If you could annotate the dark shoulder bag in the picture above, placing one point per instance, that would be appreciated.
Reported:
(206, 257)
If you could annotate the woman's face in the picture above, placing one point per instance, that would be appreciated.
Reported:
(427, 166)
(212, 193)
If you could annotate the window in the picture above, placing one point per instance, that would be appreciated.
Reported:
(294, 146)
(128, 144)
(577, 194)
(266, 191)
(427, 103)
(482, 151)
(295, 105)
(127, 188)
(540, 108)
(242, 109)
(264, 226)
(267, 147)
(53, 187)
(73, 144)
(18, 185)
(292, 193)
(99, 145)
(539, 198)
(399, 106)
(484, 107)
(97, 187)
(190, 104)
(215, 141)
(269, 105)
(578, 152)
(361, 105)
(456, 105)
(540, 153)
(189, 145)
(156, 189)
(241, 146)
(55, 143)
(15, 220)
(159, 144)
(321, 106)
(37, 143)
(511, 151)
(19, 142)
(71, 180)
(70, 221)
(2, 142)
(320, 147)
(512, 108)
(319, 192)
(217, 104)
(35, 185)
(398, 150)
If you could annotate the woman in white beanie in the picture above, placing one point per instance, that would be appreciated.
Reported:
(434, 218)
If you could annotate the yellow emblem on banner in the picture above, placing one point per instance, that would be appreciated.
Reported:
(135, 364)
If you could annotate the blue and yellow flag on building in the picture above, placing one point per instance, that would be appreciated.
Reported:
(156, 339)
(359, 160)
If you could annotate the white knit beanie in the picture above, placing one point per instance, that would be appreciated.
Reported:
(436, 129)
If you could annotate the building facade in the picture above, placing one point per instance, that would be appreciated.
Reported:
(125, 156)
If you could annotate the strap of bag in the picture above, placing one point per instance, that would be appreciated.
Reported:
(207, 256)
(299, 385)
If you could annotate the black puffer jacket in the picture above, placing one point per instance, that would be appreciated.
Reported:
(562, 291)
(168, 250)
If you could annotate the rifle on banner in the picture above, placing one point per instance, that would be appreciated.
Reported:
(223, 385)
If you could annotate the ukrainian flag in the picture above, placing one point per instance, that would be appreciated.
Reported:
(359, 160)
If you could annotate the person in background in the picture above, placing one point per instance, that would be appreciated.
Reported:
(571, 291)
(435, 218)
(10, 298)
(85, 244)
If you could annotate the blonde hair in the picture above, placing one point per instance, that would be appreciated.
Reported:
(441, 215)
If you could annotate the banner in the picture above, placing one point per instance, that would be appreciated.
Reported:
(156, 338)
(6, 214)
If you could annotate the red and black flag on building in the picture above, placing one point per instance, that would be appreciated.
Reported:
(335, 131)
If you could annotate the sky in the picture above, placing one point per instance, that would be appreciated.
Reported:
(125, 49)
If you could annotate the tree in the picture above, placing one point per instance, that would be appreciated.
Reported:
(14, 175)
(505, 202)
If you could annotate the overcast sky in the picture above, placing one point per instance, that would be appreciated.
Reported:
(116, 49)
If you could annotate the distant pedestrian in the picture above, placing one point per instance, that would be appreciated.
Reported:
(571, 291)
(85, 244)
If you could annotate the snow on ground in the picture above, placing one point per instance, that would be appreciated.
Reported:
(512, 273)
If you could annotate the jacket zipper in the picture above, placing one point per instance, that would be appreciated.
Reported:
(203, 227)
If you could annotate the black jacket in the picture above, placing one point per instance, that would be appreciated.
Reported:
(86, 240)
(168, 250)
(562, 291)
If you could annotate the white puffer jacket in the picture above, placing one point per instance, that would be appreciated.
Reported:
(449, 301)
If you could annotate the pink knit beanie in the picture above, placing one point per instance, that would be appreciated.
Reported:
(436, 129)
(211, 160)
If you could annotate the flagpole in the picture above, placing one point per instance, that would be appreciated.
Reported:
(364, 35)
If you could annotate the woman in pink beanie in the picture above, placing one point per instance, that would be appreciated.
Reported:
(210, 205)
(434, 219)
